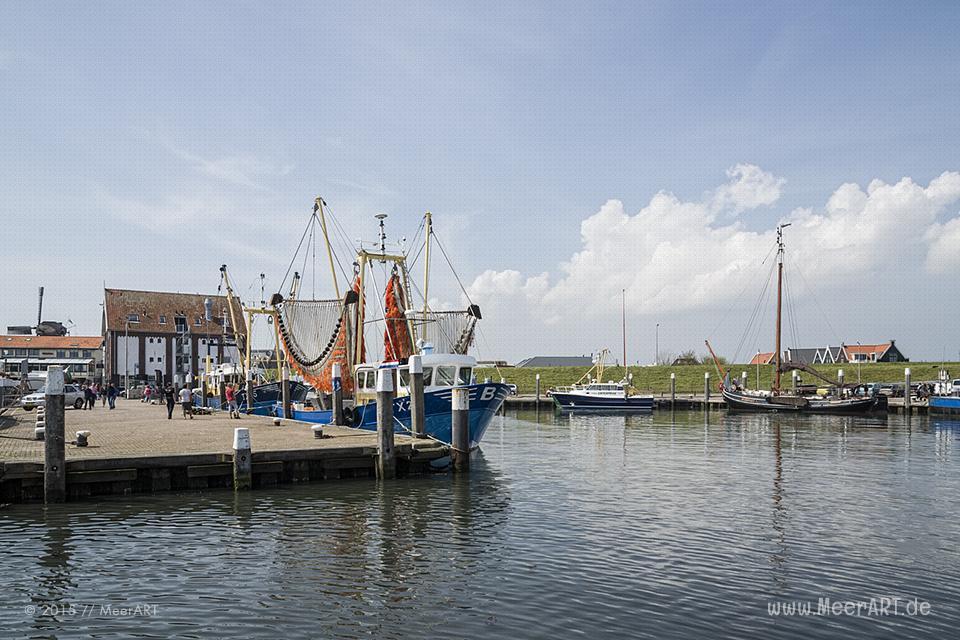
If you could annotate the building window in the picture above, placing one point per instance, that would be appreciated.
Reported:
(198, 322)
(20, 352)
(74, 353)
(151, 358)
(87, 353)
(181, 323)
(163, 319)
(133, 317)
(159, 359)
(61, 353)
(33, 352)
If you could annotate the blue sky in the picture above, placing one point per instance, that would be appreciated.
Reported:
(144, 146)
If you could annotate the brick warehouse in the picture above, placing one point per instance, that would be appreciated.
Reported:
(147, 333)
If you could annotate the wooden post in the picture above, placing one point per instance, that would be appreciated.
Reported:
(673, 389)
(417, 424)
(386, 462)
(906, 390)
(285, 391)
(743, 379)
(840, 380)
(460, 418)
(795, 376)
(538, 389)
(249, 376)
(336, 375)
(706, 389)
(242, 460)
(54, 448)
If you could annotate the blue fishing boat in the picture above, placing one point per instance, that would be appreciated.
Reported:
(266, 397)
(944, 404)
(318, 336)
(485, 400)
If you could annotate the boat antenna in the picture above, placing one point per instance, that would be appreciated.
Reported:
(428, 232)
(383, 233)
(777, 356)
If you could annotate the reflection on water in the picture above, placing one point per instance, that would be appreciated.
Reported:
(676, 524)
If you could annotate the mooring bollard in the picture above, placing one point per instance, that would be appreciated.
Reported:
(795, 376)
(54, 447)
(242, 459)
(706, 389)
(386, 463)
(416, 397)
(83, 438)
(460, 440)
(906, 390)
(250, 398)
(673, 390)
(743, 379)
(336, 375)
(285, 391)
(317, 431)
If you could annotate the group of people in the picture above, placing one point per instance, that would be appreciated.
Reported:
(106, 393)
(168, 395)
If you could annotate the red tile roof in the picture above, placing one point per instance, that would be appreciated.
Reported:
(50, 342)
(878, 349)
(762, 358)
(149, 306)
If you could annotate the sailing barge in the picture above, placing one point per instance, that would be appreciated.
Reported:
(777, 399)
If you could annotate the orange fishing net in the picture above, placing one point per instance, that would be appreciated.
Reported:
(397, 344)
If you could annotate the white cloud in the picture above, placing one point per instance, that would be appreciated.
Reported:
(677, 256)
(944, 254)
(749, 187)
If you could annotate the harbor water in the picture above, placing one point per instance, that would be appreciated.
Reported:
(675, 525)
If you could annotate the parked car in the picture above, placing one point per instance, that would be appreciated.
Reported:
(72, 397)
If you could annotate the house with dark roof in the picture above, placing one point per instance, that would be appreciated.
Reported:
(803, 356)
(153, 335)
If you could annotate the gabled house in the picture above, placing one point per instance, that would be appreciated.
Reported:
(803, 356)
(885, 352)
(763, 358)
(830, 355)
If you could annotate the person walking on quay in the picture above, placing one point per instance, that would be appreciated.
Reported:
(170, 396)
(147, 392)
(102, 392)
(231, 395)
(89, 397)
(112, 394)
(186, 401)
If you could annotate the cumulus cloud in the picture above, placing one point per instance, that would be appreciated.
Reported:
(675, 255)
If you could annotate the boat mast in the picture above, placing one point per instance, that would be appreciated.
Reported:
(318, 208)
(237, 337)
(780, 228)
(623, 332)
(428, 227)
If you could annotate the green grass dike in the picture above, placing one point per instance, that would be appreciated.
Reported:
(656, 379)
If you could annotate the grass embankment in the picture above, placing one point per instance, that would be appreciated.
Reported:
(690, 377)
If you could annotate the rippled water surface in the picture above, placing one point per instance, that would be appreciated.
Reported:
(577, 526)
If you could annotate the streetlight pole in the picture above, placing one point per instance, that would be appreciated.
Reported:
(126, 359)
(859, 357)
(207, 306)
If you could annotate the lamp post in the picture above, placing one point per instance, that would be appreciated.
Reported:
(758, 369)
(207, 315)
(126, 359)
(859, 357)
(656, 354)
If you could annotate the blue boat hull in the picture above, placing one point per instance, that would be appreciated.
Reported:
(944, 404)
(266, 397)
(570, 402)
(485, 400)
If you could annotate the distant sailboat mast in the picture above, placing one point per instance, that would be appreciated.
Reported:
(623, 332)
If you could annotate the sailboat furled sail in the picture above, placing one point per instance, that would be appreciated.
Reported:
(397, 342)
(315, 334)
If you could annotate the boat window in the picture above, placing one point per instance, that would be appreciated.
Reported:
(404, 377)
(362, 380)
(445, 376)
(427, 376)
(464, 375)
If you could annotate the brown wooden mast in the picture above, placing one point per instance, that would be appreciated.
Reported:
(776, 383)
